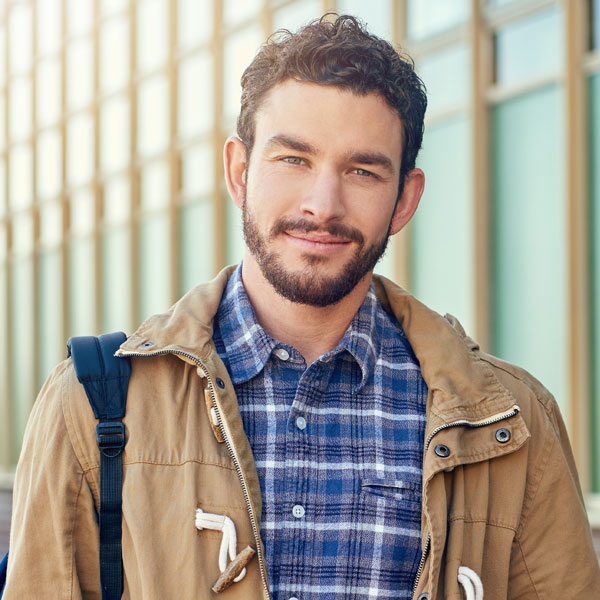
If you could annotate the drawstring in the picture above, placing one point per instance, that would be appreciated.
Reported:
(229, 540)
(471, 583)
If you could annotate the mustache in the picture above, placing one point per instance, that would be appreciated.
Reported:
(345, 232)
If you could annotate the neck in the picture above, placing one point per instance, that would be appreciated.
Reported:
(312, 330)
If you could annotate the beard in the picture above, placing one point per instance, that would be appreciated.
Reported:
(310, 285)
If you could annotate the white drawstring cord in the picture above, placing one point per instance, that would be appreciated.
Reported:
(471, 583)
(229, 540)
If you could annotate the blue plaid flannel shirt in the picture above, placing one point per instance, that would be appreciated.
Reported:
(338, 448)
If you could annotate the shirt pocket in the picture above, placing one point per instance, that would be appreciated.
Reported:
(401, 491)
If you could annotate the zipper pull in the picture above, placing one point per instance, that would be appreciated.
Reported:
(212, 416)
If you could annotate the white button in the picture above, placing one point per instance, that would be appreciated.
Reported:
(301, 423)
(293, 598)
(298, 511)
(281, 353)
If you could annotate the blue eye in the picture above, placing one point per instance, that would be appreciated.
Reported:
(293, 160)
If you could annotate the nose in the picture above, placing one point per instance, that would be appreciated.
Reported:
(324, 199)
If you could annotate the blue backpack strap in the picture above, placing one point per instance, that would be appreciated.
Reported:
(3, 567)
(105, 379)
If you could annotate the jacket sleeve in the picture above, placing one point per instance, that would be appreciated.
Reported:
(53, 538)
(553, 553)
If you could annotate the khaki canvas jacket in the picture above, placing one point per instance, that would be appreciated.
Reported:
(500, 489)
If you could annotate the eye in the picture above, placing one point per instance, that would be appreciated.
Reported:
(364, 173)
(293, 160)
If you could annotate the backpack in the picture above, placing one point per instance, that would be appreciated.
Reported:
(105, 379)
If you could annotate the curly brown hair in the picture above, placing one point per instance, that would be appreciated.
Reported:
(344, 54)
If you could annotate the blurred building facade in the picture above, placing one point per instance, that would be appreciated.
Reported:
(113, 114)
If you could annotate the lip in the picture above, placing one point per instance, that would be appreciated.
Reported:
(317, 241)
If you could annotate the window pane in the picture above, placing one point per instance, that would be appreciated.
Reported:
(48, 92)
(114, 55)
(3, 251)
(376, 15)
(109, 7)
(153, 116)
(117, 201)
(518, 59)
(21, 177)
(48, 26)
(596, 24)
(236, 11)
(153, 20)
(2, 122)
(20, 38)
(50, 223)
(80, 149)
(50, 344)
(193, 219)
(294, 15)
(154, 183)
(195, 111)
(116, 280)
(49, 164)
(81, 287)
(3, 195)
(20, 108)
(197, 171)
(22, 233)
(428, 17)
(444, 280)
(154, 265)
(82, 212)
(529, 268)
(79, 16)
(195, 20)
(240, 49)
(114, 134)
(2, 54)
(80, 71)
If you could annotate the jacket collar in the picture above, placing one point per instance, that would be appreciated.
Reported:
(461, 385)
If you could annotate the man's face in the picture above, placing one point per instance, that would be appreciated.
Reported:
(321, 189)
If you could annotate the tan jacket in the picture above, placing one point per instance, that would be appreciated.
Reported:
(507, 503)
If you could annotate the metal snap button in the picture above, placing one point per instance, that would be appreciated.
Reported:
(423, 596)
(147, 344)
(220, 382)
(503, 435)
(442, 451)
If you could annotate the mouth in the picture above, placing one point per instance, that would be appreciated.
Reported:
(316, 241)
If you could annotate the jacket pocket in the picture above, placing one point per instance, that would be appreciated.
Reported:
(398, 490)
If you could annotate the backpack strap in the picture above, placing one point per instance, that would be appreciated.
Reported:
(105, 379)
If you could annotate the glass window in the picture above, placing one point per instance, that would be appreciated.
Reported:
(80, 149)
(82, 212)
(154, 265)
(3, 194)
(21, 177)
(48, 26)
(109, 7)
(3, 252)
(153, 115)
(530, 274)
(114, 55)
(428, 17)
(51, 223)
(236, 11)
(195, 111)
(2, 122)
(20, 38)
(82, 297)
(595, 8)
(117, 200)
(79, 16)
(296, 14)
(154, 184)
(197, 244)
(48, 92)
(49, 167)
(377, 15)
(20, 108)
(530, 48)
(80, 73)
(195, 20)
(239, 51)
(447, 76)
(197, 171)
(116, 279)
(114, 134)
(2, 54)
(152, 32)
(22, 233)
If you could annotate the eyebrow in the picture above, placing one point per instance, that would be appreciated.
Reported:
(287, 141)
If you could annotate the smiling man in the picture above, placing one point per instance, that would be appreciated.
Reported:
(298, 428)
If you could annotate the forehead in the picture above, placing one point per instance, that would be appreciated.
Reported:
(329, 118)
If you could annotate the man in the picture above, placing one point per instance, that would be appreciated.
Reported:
(363, 445)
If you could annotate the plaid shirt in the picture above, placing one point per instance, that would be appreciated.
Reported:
(338, 449)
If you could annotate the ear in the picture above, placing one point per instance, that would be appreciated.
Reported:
(234, 160)
(414, 184)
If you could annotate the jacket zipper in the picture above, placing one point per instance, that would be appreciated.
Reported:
(228, 444)
(422, 563)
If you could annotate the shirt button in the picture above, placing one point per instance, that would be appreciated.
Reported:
(298, 511)
(293, 598)
(301, 423)
(281, 353)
